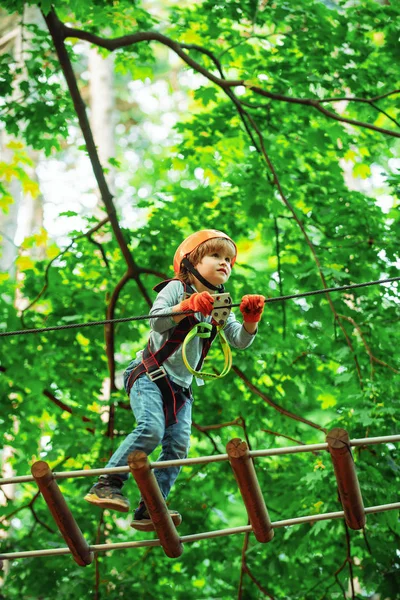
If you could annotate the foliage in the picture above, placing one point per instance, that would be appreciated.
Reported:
(331, 361)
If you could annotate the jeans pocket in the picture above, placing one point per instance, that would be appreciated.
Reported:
(132, 365)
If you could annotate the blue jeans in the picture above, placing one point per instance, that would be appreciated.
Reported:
(150, 432)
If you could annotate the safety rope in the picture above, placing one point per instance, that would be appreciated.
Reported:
(203, 330)
(190, 312)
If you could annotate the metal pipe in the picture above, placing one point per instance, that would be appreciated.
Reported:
(139, 465)
(245, 474)
(205, 459)
(62, 515)
(346, 476)
(288, 450)
(198, 536)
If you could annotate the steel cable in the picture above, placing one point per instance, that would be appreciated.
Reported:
(190, 312)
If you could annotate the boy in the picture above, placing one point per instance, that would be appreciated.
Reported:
(157, 381)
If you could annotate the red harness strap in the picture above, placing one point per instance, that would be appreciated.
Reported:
(151, 365)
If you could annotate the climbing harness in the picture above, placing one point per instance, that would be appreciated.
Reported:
(175, 396)
(151, 366)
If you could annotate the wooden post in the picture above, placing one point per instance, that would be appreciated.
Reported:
(349, 489)
(140, 468)
(246, 478)
(62, 515)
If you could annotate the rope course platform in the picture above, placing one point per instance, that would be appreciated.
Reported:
(338, 443)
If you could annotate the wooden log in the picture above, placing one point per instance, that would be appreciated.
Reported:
(62, 515)
(246, 477)
(346, 476)
(140, 468)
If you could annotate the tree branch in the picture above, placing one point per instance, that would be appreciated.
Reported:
(152, 272)
(100, 529)
(273, 404)
(278, 254)
(129, 40)
(246, 570)
(287, 437)
(46, 274)
(204, 428)
(355, 99)
(243, 564)
(372, 358)
(308, 242)
(110, 328)
(57, 31)
(67, 408)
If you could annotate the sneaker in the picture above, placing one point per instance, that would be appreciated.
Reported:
(106, 493)
(142, 522)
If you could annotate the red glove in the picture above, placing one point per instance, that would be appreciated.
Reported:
(199, 302)
(252, 307)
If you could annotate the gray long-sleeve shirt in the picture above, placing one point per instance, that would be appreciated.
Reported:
(162, 328)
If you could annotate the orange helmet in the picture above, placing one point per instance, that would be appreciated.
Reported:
(194, 240)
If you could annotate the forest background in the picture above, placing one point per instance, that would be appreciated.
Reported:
(277, 122)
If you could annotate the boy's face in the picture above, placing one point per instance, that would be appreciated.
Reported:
(215, 266)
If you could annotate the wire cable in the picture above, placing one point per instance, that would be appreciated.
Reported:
(190, 312)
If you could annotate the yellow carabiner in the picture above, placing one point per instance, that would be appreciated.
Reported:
(206, 334)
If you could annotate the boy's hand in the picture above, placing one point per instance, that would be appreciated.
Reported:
(252, 307)
(198, 302)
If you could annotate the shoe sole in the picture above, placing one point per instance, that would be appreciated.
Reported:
(148, 525)
(107, 503)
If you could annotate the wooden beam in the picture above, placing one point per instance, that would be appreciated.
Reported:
(141, 470)
(346, 476)
(243, 468)
(62, 515)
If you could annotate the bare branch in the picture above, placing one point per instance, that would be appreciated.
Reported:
(355, 99)
(246, 570)
(349, 560)
(278, 254)
(243, 563)
(57, 31)
(373, 359)
(287, 437)
(109, 328)
(152, 272)
(308, 241)
(204, 428)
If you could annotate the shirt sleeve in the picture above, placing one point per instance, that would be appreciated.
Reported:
(236, 334)
(171, 295)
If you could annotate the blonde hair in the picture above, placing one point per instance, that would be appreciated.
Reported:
(197, 255)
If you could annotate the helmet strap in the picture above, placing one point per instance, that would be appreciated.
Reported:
(188, 265)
